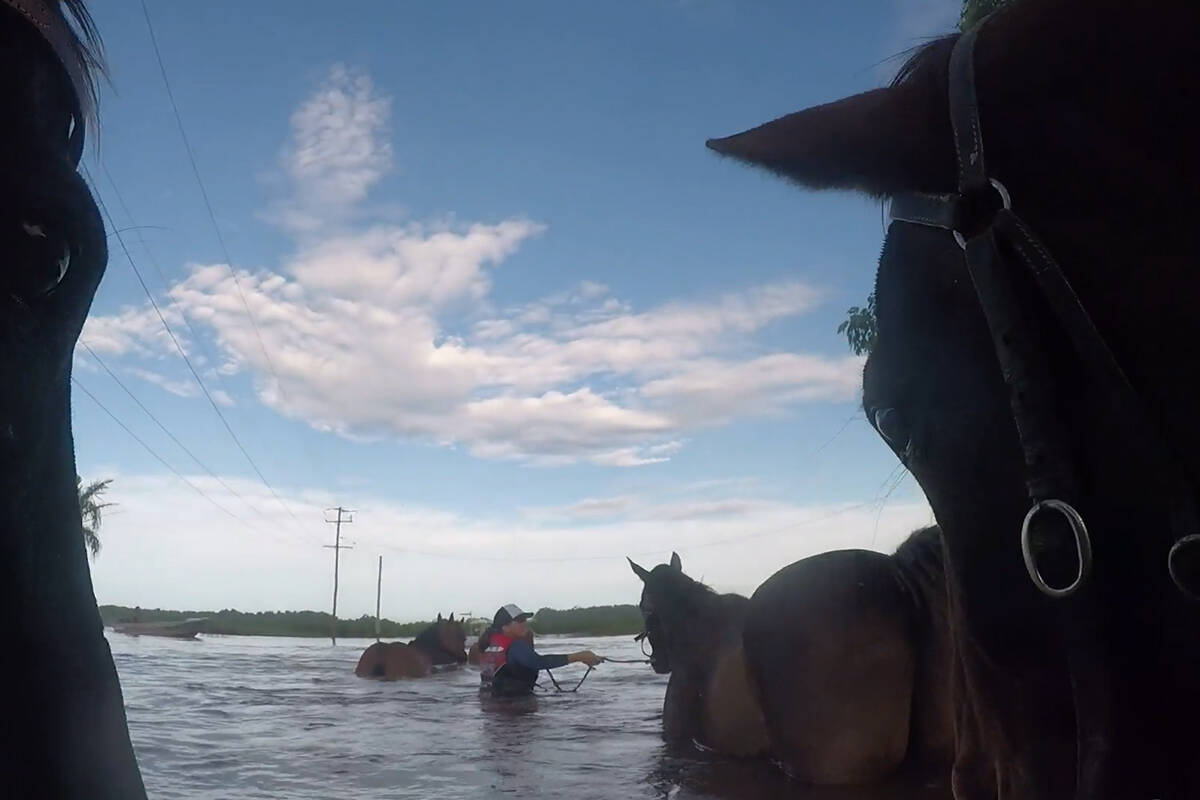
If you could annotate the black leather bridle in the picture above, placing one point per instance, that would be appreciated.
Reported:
(995, 241)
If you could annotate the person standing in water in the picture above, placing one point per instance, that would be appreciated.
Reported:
(510, 664)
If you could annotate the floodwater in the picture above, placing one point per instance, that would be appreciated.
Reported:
(257, 717)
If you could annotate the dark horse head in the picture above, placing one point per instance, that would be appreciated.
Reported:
(70, 737)
(1079, 113)
(445, 640)
(673, 610)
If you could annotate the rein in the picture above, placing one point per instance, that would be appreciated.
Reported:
(989, 242)
(561, 690)
(606, 660)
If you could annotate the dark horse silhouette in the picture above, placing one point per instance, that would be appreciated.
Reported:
(695, 635)
(442, 643)
(1080, 114)
(65, 733)
(836, 667)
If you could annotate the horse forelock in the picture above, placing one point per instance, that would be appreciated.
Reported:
(431, 636)
(674, 593)
(442, 635)
(68, 27)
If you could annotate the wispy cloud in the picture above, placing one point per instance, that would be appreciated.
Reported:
(338, 150)
(391, 329)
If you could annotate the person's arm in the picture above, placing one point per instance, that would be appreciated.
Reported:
(520, 652)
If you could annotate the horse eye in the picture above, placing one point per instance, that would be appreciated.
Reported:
(51, 257)
(890, 424)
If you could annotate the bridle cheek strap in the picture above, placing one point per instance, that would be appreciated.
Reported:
(1018, 333)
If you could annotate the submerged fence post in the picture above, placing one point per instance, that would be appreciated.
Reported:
(378, 592)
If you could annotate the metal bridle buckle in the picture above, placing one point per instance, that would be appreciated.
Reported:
(1005, 200)
(1083, 547)
(1188, 541)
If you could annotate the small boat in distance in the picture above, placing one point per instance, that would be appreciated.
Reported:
(181, 629)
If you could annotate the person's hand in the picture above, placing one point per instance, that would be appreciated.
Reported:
(586, 657)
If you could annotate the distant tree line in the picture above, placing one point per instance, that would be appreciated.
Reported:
(268, 623)
(593, 621)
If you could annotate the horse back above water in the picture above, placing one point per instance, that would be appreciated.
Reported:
(836, 667)
(442, 644)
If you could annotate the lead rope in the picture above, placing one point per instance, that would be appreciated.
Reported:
(589, 672)
(561, 690)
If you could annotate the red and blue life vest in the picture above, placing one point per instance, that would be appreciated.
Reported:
(496, 655)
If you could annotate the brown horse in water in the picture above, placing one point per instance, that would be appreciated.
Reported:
(475, 654)
(442, 643)
(837, 667)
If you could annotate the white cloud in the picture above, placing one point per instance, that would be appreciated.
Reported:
(136, 330)
(369, 361)
(709, 391)
(389, 329)
(179, 388)
(338, 150)
(168, 547)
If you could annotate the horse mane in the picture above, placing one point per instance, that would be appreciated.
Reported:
(87, 50)
(920, 570)
(679, 585)
(926, 61)
(683, 597)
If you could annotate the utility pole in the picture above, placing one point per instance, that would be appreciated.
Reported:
(347, 516)
(378, 593)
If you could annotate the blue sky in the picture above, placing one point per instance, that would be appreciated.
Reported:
(491, 291)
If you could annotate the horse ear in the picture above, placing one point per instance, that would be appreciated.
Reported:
(452, 616)
(439, 619)
(676, 564)
(639, 571)
(881, 142)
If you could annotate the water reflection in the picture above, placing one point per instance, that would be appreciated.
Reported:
(259, 718)
(687, 774)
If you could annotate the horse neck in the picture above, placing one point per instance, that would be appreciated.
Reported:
(44, 564)
(69, 707)
(920, 572)
(715, 626)
(431, 644)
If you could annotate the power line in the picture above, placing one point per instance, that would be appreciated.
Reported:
(212, 217)
(154, 453)
(195, 374)
(137, 229)
(187, 146)
(165, 430)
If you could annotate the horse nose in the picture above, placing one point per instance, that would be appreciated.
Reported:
(1183, 562)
